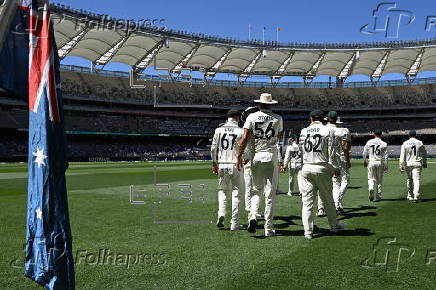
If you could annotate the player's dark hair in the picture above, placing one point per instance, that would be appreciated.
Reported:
(317, 118)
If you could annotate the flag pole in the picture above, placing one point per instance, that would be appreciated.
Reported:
(263, 35)
(249, 32)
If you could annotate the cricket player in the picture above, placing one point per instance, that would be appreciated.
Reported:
(375, 158)
(320, 164)
(293, 163)
(223, 151)
(413, 158)
(266, 128)
(343, 139)
(248, 176)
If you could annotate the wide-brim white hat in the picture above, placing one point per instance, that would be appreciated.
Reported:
(266, 99)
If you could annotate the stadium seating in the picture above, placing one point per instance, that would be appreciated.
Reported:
(100, 87)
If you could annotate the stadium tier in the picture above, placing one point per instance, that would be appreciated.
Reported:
(103, 104)
(98, 105)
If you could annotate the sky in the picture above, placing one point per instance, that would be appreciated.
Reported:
(300, 21)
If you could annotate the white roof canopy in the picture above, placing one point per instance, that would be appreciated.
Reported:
(166, 49)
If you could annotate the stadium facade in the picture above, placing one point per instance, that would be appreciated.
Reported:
(108, 118)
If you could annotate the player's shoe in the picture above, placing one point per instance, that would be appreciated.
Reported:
(308, 236)
(220, 222)
(339, 227)
(371, 195)
(377, 198)
(409, 197)
(270, 233)
(321, 213)
(235, 227)
(340, 210)
(258, 215)
(290, 193)
(252, 225)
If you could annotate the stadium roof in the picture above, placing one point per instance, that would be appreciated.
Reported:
(102, 39)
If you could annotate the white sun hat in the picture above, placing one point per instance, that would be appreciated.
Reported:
(266, 98)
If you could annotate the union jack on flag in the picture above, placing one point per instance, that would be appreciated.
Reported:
(41, 60)
(49, 257)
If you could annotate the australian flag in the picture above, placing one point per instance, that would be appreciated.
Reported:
(49, 256)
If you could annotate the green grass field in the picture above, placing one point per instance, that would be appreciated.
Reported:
(172, 244)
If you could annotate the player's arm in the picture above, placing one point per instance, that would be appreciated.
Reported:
(214, 152)
(346, 148)
(241, 147)
(424, 156)
(402, 158)
(365, 155)
(332, 152)
(385, 159)
(287, 159)
(280, 137)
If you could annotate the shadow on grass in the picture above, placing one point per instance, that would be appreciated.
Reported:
(319, 233)
(356, 232)
(348, 216)
(354, 187)
(428, 199)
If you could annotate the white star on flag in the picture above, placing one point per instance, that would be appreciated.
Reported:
(40, 157)
(38, 213)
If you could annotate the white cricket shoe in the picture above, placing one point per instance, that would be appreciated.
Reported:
(270, 233)
(235, 227)
(308, 236)
(321, 212)
(409, 197)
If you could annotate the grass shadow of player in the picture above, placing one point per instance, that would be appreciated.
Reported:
(320, 232)
(354, 212)
(287, 221)
(428, 199)
(348, 216)
(354, 187)
(363, 207)
(281, 233)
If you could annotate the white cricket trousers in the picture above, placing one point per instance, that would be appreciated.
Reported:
(414, 181)
(317, 178)
(293, 175)
(248, 179)
(230, 180)
(375, 177)
(263, 173)
(340, 184)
